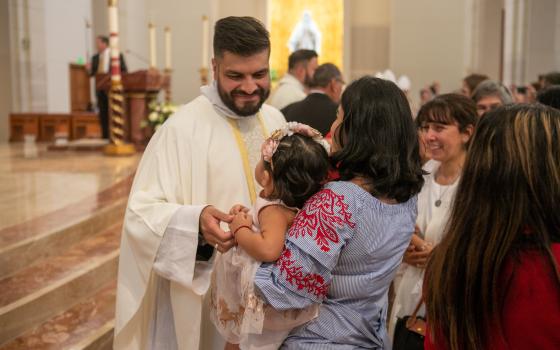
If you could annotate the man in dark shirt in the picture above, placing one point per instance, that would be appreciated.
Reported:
(100, 64)
(319, 108)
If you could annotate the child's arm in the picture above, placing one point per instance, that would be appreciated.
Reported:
(267, 245)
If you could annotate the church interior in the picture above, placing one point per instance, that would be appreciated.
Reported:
(65, 187)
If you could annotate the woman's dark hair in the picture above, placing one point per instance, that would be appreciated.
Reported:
(243, 36)
(449, 109)
(508, 200)
(299, 168)
(378, 140)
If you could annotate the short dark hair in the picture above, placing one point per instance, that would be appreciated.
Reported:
(552, 78)
(104, 39)
(550, 96)
(378, 140)
(449, 109)
(300, 56)
(243, 36)
(324, 74)
(299, 168)
(472, 80)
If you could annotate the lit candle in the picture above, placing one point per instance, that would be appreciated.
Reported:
(167, 48)
(152, 30)
(114, 41)
(205, 40)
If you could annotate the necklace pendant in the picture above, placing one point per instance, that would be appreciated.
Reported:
(438, 203)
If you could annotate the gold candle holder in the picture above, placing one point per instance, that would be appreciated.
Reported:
(167, 89)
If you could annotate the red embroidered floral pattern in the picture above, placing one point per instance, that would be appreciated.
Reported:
(313, 283)
(320, 217)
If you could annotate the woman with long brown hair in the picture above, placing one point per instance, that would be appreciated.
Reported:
(493, 281)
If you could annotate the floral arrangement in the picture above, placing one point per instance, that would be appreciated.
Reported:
(158, 114)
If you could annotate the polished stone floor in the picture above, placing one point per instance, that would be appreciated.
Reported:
(37, 181)
(60, 222)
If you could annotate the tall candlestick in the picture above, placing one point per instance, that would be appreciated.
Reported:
(117, 120)
(167, 48)
(152, 31)
(205, 41)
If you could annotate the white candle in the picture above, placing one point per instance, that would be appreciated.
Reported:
(113, 20)
(167, 48)
(152, 30)
(205, 40)
(114, 41)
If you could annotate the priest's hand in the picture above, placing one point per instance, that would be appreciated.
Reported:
(209, 224)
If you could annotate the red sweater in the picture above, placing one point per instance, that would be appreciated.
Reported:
(531, 314)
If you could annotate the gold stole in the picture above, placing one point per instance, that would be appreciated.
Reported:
(242, 146)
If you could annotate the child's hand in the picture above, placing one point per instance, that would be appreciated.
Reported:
(240, 219)
(238, 208)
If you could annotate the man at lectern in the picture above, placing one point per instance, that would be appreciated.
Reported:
(100, 64)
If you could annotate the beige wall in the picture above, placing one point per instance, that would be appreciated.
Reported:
(427, 42)
(557, 38)
(133, 30)
(43, 41)
(185, 20)
(64, 41)
(370, 24)
(542, 38)
(5, 73)
(253, 8)
(487, 38)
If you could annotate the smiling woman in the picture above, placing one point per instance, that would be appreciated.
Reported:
(446, 125)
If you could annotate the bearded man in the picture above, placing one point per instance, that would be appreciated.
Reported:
(196, 166)
(294, 85)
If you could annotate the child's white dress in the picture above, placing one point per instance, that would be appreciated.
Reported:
(238, 313)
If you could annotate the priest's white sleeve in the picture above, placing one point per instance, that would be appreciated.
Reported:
(176, 255)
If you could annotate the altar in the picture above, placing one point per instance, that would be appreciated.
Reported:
(140, 88)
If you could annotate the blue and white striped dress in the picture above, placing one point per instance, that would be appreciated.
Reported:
(342, 250)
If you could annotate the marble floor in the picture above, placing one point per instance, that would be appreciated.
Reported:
(60, 222)
(38, 182)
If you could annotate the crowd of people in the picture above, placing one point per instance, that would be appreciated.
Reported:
(244, 231)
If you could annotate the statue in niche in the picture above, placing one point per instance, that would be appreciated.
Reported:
(306, 35)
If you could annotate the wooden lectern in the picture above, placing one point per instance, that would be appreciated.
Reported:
(140, 88)
(80, 99)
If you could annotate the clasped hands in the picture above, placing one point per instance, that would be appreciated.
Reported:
(209, 225)
(418, 251)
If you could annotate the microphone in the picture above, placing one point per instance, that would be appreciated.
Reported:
(137, 55)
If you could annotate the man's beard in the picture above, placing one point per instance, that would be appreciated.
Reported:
(248, 109)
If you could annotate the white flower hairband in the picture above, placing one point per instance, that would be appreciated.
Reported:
(271, 144)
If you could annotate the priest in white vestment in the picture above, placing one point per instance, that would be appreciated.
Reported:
(196, 166)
